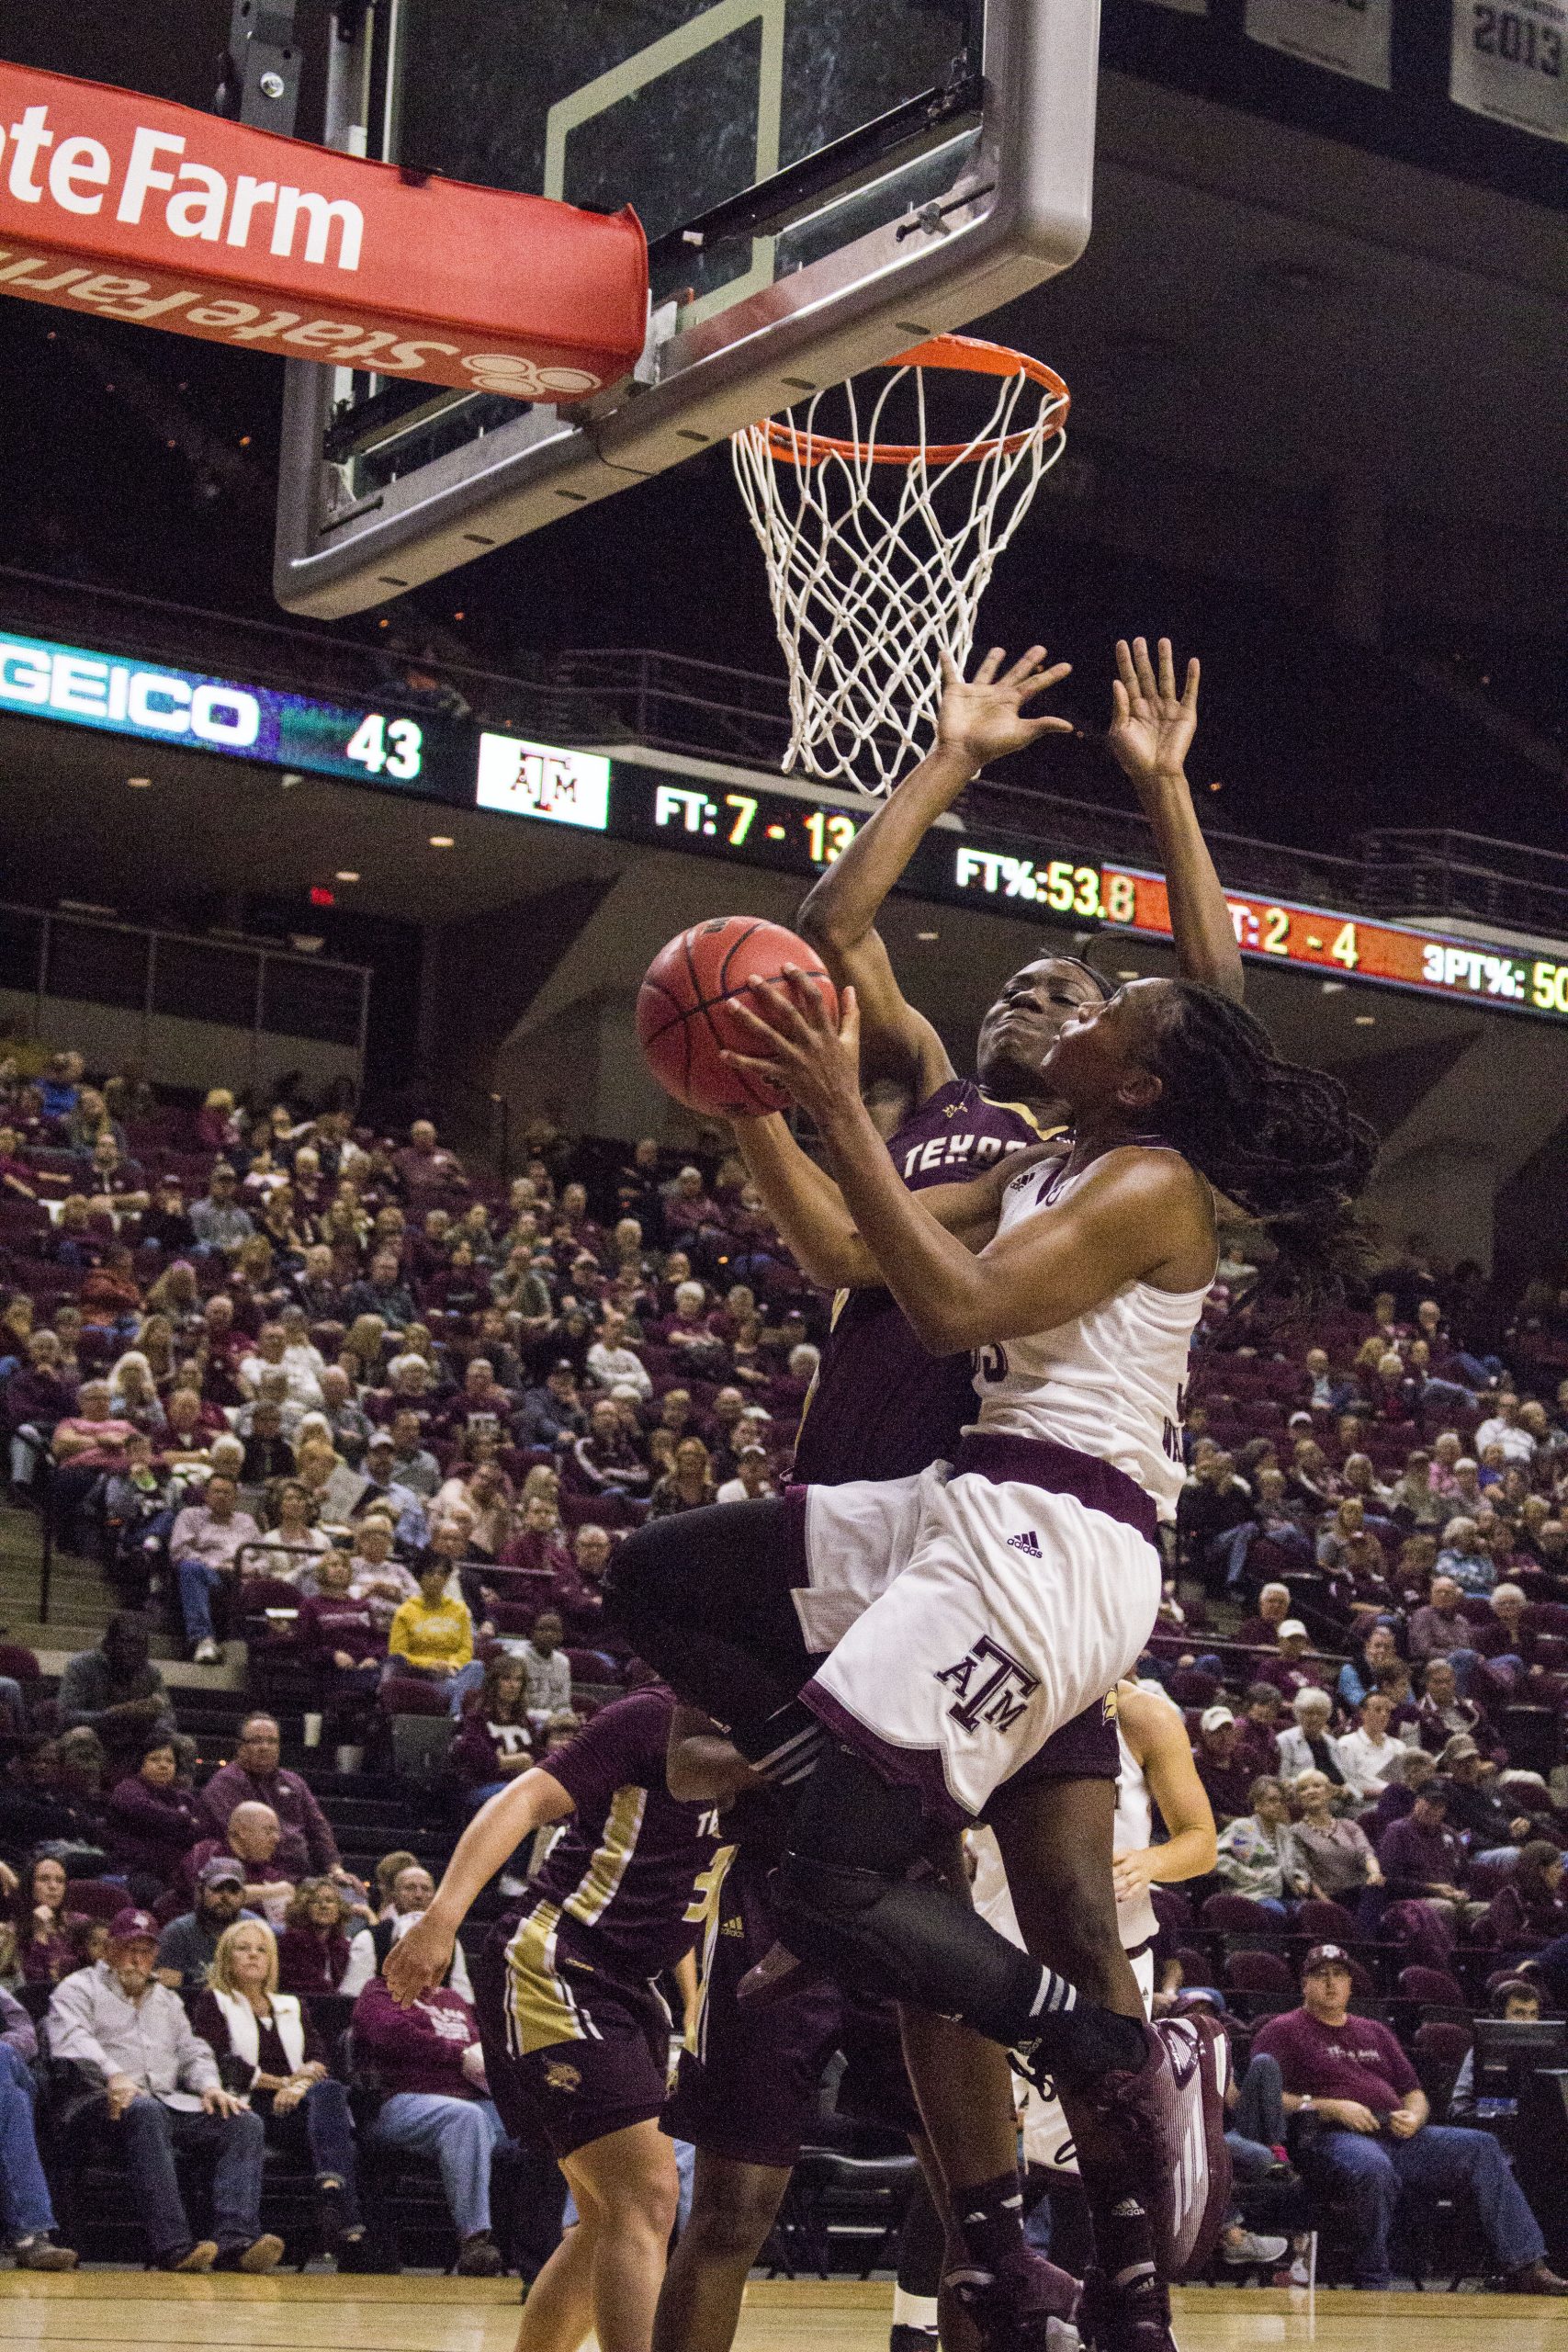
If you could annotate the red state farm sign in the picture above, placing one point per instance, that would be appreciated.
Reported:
(133, 208)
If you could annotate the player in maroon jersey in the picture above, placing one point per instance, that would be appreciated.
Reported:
(881, 1406)
(576, 2033)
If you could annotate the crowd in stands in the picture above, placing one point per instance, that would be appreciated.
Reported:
(338, 1397)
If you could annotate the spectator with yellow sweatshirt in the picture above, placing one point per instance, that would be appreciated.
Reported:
(432, 1634)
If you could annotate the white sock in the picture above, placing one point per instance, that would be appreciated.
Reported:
(915, 2311)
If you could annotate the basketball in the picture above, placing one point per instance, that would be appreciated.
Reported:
(683, 1010)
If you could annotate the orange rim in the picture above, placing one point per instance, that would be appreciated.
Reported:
(966, 354)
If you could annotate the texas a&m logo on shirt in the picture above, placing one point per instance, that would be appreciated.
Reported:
(989, 1686)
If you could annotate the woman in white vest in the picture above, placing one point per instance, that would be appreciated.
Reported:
(1157, 1768)
(269, 2050)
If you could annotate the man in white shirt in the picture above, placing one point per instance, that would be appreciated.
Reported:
(612, 1364)
(413, 1890)
(750, 1481)
(1502, 1427)
(1369, 1757)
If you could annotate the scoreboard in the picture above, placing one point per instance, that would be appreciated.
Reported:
(434, 755)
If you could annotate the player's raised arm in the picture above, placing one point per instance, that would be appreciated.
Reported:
(1151, 731)
(979, 720)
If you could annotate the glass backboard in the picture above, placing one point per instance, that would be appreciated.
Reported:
(822, 183)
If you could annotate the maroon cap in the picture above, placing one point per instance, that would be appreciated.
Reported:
(130, 1926)
(1325, 1956)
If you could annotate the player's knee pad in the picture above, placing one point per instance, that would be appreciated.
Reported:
(850, 1817)
(901, 1940)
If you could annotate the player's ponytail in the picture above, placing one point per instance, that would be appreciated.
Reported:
(1279, 1140)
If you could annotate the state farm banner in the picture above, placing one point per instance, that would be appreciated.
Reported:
(130, 208)
(1351, 37)
(1512, 64)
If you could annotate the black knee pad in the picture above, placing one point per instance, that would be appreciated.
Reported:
(850, 1817)
(902, 1940)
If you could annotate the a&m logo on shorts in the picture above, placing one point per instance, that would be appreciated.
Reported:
(989, 1686)
(559, 2077)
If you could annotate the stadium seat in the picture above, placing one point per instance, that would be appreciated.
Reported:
(1237, 1914)
(1437, 2051)
(1324, 1923)
(1260, 1972)
(1432, 1987)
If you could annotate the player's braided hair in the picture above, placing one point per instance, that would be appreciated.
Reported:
(1279, 1140)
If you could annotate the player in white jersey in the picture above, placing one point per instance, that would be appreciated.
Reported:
(982, 1606)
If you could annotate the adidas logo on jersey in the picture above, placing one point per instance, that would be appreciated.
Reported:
(1028, 1542)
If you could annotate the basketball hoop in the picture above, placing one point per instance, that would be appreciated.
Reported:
(868, 579)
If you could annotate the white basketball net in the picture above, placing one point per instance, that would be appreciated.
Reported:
(874, 565)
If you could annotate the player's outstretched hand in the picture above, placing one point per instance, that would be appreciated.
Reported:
(1152, 726)
(982, 717)
(418, 1959)
(799, 1046)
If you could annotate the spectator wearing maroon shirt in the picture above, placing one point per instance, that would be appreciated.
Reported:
(152, 1821)
(424, 1165)
(1529, 1910)
(1256, 1739)
(1422, 1860)
(481, 1407)
(1290, 1670)
(1369, 2138)
(307, 1846)
(1226, 1782)
(34, 1400)
(1261, 1632)
(312, 1950)
(494, 1740)
(340, 1638)
(429, 2058)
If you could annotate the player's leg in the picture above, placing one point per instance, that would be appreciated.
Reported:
(734, 2206)
(706, 1598)
(1055, 1840)
(627, 2190)
(993, 2287)
(558, 2312)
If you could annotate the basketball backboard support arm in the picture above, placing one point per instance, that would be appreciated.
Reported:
(1019, 136)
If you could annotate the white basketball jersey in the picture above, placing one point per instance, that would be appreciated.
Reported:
(1137, 1921)
(1111, 1382)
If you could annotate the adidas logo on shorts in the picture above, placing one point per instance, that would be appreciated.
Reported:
(1028, 1542)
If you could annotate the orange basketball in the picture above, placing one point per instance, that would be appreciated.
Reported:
(683, 1010)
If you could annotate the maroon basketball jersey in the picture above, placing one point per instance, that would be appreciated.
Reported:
(881, 1406)
(631, 1862)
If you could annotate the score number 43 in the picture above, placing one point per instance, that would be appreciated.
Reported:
(393, 746)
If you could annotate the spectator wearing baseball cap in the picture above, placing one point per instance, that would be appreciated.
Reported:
(188, 1944)
(1423, 1860)
(1289, 1669)
(1227, 1783)
(1369, 2138)
(155, 2089)
(382, 1490)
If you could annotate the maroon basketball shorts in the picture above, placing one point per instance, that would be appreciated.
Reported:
(751, 2091)
(572, 2052)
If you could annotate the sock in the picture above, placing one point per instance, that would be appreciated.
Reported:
(1123, 2244)
(917, 2314)
(990, 2221)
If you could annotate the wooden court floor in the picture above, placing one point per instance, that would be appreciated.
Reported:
(93, 2310)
